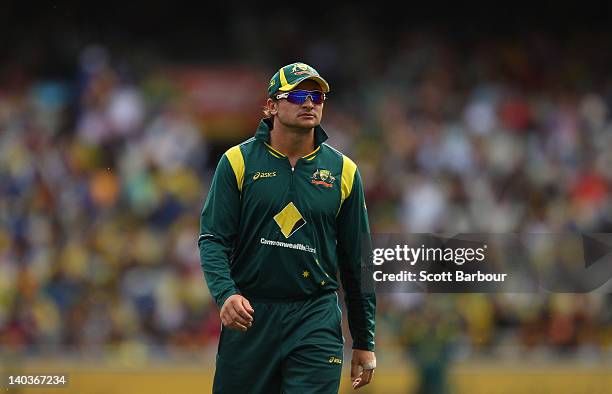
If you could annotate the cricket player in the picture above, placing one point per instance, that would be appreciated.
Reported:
(286, 213)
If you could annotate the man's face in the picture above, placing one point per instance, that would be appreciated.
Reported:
(300, 116)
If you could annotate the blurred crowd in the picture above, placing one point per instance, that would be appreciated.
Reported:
(103, 174)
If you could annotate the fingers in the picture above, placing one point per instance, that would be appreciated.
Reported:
(247, 306)
(355, 370)
(232, 324)
(364, 378)
(237, 326)
(242, 312)
(235, 315)
(359, 376)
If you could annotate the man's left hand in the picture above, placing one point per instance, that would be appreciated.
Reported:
(362, 367)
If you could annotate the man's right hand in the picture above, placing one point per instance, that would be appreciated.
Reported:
(237, 313)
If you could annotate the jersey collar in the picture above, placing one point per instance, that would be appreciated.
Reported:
(263, 133)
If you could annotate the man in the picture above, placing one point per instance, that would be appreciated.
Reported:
(284, 214)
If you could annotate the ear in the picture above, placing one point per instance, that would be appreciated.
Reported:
(272, 106)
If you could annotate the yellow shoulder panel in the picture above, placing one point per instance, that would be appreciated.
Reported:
(348, 175)
(234, 155)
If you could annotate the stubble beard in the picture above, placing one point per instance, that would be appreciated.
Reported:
(297, 127)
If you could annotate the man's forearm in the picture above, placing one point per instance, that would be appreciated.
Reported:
(361, 317)
(214, 262)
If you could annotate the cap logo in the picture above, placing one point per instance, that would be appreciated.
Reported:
(300, 66)
(287, 77)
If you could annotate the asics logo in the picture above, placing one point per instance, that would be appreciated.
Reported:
(259, 174)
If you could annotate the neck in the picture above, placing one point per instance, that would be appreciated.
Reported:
(293, 143)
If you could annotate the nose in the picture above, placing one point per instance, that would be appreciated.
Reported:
(308, 102)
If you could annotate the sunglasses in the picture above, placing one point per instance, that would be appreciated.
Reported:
(300, 96)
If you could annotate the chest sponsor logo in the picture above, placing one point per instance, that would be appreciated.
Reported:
(289, 220)
(323, 177)
(260, 174)
(302, 247)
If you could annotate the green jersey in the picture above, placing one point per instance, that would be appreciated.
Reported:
(272, 231)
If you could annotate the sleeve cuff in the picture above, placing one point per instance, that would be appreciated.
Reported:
(225, 296)
(364, 346)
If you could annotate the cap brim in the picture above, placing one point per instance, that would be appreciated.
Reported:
(319, 80)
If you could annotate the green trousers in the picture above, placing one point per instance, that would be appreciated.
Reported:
(292, 347)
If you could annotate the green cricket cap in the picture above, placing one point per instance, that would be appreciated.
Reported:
(289, 76)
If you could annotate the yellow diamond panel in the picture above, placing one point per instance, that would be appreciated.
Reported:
(289, 220)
